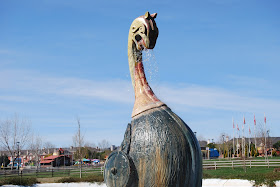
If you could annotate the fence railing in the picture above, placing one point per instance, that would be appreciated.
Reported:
(50, 171)
(208, 164)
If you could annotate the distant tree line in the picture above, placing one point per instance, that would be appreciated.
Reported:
(4, 160)
(16, 134)
(88, 153)
(276, 145)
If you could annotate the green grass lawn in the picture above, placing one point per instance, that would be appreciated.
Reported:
(260, 175)
(89, 175)
(57, 173)
(253, 158)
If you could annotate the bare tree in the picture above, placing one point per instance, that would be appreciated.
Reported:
(78, 141)
(200, 137)
(103, 144)
(222, 138)
(90, 145)
(48, 145)
(78, 138)
(14, 134)
(224, 144)
(35, 147)
(261, 134)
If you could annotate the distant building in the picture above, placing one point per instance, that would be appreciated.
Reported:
(55, 161)
(113, 147)
(203, 144)
(26, 157)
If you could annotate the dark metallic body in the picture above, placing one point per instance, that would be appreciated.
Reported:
(162, 150)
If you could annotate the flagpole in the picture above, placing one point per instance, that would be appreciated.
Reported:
(237, 140)
(233, 137)
(249, 141)
(265, 136)
(255, 133)
(239, 146)
(243, 147)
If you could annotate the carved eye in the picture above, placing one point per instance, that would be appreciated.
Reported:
(134, 29)
(142, 30)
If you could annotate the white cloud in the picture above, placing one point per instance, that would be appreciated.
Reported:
(197, 96)
(34, 82)
(255, 86)
(199, 105)
(216, 98)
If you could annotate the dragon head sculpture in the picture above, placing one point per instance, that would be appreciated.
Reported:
(144, 31)
(142, 35)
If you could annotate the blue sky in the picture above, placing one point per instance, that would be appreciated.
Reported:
(214, 60)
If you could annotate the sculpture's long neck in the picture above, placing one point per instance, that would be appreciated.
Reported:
(145, 98)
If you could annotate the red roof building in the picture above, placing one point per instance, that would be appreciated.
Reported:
(55, 160)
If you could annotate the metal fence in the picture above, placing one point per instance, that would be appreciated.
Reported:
(45, 172)
(209, 164)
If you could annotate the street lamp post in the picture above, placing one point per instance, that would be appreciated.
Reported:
(18, 157)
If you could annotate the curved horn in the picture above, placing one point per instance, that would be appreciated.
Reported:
(147, 15)
(154, 15)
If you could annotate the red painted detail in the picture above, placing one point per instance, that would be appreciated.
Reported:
(139, 68)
